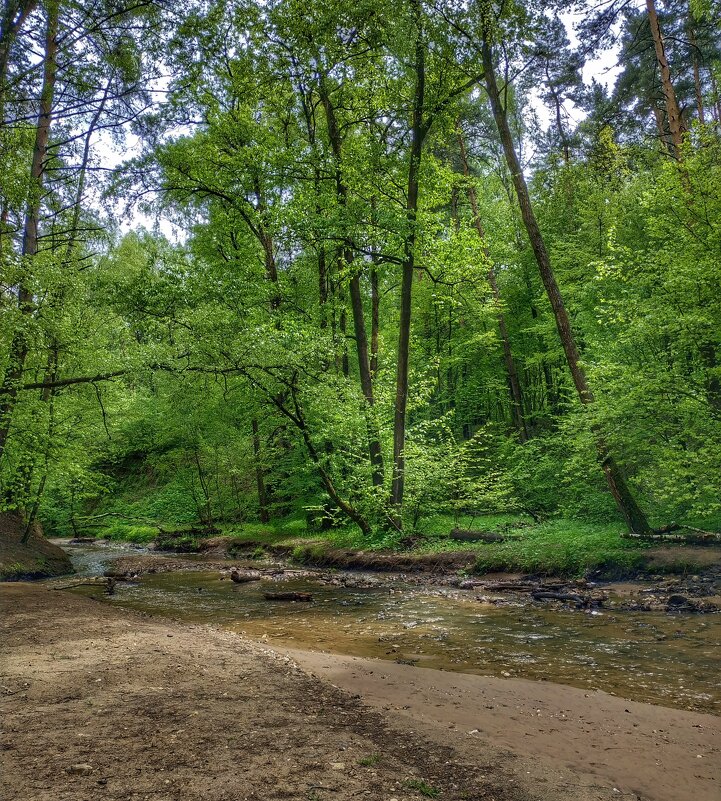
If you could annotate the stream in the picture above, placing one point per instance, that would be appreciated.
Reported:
(666, 659)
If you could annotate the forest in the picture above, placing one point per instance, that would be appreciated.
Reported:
(360, 400)
(376, 270)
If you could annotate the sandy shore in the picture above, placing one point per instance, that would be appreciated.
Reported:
(101, 703)
(593, 738)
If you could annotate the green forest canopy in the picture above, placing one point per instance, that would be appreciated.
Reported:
(424, 267)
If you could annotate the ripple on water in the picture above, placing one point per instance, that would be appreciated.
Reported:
(643, 656)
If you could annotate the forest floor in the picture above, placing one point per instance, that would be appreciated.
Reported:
(105, 703)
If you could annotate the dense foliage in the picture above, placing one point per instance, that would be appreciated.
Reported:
(353, 323)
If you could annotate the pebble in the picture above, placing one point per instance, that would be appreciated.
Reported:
(337, 765)
(79, 770)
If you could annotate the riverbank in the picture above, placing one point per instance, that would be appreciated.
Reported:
(35, 558)
(469, 544)
(99, 701)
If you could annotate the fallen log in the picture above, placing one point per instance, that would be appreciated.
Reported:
(674, 533)
(243, 578)
(288, 596)
(509, 586)
(539, 595)
(523, 586)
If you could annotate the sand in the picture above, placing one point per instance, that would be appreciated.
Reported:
(99, 702)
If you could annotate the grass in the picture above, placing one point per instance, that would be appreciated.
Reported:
(370, 760)
(557, 546)
(129, 533)
(553, 547)
(12, 571)
(426, 790)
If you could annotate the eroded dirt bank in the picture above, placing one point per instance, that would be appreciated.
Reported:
(101, 703)
(37, 558)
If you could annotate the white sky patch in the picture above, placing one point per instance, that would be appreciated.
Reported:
(604, 68)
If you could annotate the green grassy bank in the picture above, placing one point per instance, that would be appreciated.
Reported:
(553, 547)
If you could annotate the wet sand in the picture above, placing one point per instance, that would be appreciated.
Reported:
(103, 703)
(630, 749)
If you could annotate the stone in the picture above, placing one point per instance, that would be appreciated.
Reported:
(79, 770)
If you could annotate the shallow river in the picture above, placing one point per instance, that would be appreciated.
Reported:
(673, 660)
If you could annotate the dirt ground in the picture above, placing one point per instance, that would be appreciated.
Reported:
(100, 703)
(596, 739)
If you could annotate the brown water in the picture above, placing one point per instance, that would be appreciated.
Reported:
(672, 660)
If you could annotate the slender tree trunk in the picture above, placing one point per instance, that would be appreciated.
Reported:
(260, 475)
(565, 147)
(631, 512)
(19, 344)
(418, 133)
(343, 328)
(514, 384)
(696, 70)
(675, 123)
(375, 317)
(359, 327)
(206, 515)
(14, 16)
(374, 446)
(322, 286)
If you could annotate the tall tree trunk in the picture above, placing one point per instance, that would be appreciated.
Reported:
(696, 69)
(359, 327)
(565, 146)
(343, 328)
(322, 286)
(514, 384)
(260, 475)
(265, 238)
(19, 344)
(713, 382)
(418, 132)
(375, 317)
(675, 123)
(14, 16)
(626, 503)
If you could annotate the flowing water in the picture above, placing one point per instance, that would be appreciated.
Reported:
(672, 660)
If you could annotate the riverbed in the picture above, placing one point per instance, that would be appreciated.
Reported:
(672, 660)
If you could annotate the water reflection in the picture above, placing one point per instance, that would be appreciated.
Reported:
(670, 660)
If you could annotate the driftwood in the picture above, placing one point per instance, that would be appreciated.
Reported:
(468, 535)
(108, 584)
(288, 596)
(539, 595)
(522, 586)
(673, 532)
(243, 578)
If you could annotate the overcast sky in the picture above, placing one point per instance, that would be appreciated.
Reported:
(604, 68)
